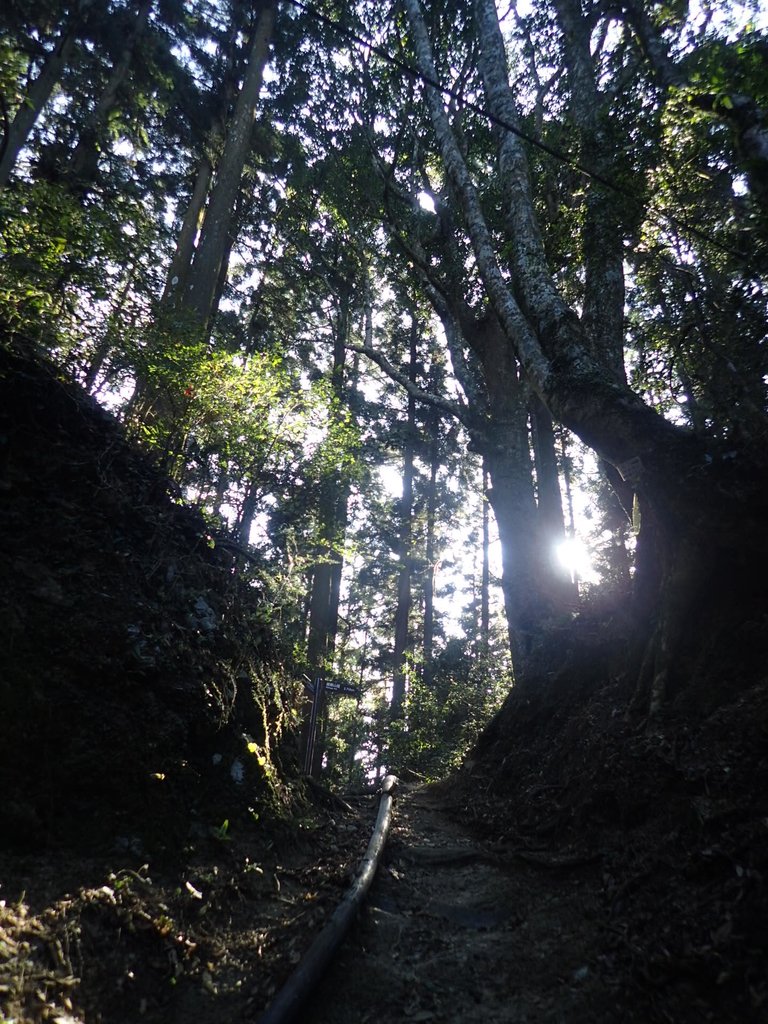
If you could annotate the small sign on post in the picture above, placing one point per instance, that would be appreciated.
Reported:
(318, 688)
(345, 689)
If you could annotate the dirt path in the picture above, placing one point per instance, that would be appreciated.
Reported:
(454, 932)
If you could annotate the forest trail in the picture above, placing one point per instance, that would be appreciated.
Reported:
(457, 932)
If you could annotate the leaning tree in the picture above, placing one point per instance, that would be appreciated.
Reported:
(549, 143)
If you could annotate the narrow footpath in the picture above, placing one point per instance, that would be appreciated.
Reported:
(455, 931)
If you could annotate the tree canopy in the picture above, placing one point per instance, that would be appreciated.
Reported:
(360, 275)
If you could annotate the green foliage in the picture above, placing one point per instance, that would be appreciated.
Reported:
(63, 277)
(443, 720)
(347, 733)
(37, 229)
(221, 832)
(12, 67)
(727, 66)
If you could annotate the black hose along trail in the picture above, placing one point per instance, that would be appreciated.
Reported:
(313, 965)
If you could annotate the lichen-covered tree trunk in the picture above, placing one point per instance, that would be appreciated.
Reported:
(606, 212)
(663, 461)
(696, 519)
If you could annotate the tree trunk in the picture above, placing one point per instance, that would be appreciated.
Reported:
(37, 96)
(222, 486)
(247, 513)
(403, 611)
(82, 164)
(533, 583)
(333, 517)
(602, 234)
(698, 520)
(175, 281)
(319, 645)
(430, 572)
(485, 580)
(549, 500)
(179, 270)
(319, 641)
(514, 507)
(661, 460)
(201, 285)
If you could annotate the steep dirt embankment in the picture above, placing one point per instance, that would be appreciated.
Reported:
(132, 653)
(673, 808)
(157, 861)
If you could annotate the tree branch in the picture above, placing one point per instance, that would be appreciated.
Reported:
(457, 410)
(445, 296)
(517, 328)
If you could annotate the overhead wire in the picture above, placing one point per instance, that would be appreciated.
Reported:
(500, 122)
